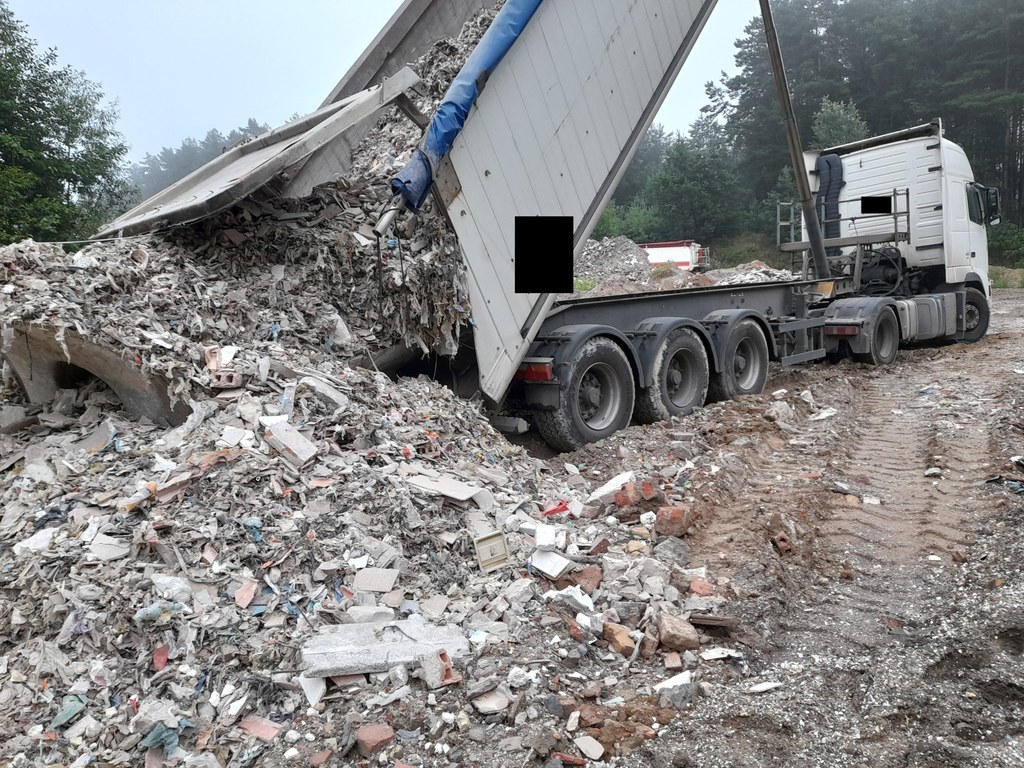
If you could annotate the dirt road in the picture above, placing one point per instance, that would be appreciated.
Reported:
(879, 577)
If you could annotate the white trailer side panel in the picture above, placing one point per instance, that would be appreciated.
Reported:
(551, 134)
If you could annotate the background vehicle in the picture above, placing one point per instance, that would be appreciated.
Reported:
(683, 254)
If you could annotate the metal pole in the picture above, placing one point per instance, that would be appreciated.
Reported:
(811, 223)
(387, 216)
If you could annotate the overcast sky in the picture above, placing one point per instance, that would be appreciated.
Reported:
(178, 69)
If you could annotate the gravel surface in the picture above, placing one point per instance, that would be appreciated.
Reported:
(879, 576)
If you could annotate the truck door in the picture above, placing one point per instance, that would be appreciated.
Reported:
(977, 237)
(967, 246)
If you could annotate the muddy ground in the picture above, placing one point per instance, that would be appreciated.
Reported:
(879, 577)
(860, 535)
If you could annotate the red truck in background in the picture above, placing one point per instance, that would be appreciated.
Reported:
(684, 254)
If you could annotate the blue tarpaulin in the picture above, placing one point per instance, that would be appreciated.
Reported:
(413, 182)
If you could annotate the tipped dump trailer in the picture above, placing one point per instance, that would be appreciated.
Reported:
(543, 121)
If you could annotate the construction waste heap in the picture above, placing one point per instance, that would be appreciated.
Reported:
(310, 563)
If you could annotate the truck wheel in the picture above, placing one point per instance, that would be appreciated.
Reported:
(680, 381)
(744, 359)
(595, 400)
(976, 316)
(885, 342)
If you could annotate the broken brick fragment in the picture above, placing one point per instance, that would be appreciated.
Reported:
(591, 716)
(627, 496)
(677, 633)
(372, 738)
(618, 638)
(588, 578)
(702, 588)
(674, 521)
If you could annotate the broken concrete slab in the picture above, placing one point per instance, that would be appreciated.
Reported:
(551, 564)
(351, 648)
(46, 359)
(375, 580)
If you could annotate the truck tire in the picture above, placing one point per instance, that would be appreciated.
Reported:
(976, 316)
(595, 400)
(744, 359)
(680, 381)
(885, 340)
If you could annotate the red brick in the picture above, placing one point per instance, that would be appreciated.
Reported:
(592, 691)
(322, 757)
(673, 662)
(702, 588)
(674, 521)
(260, 727)
(370, 739)
(618, 638)
(649, 491)
(600, 547)
(591, 716)
(627, 496)
(588, 578)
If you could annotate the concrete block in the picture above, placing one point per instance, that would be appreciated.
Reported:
(370, 614)
(344, 649)
(438, 670)
(42, 368)
(375, 580)
(290, 443)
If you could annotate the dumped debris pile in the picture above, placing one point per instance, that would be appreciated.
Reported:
(215, 583)
(295, 278)
(309, 281)
(613, 258)
(752, 272)
(621, 267)
(389, 145)
(317, 559)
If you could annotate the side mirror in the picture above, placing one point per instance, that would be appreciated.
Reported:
(992, 207)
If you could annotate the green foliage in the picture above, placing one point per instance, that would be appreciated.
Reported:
(837, 123)
(609, 224)
(157, 172)
(746, 248)
(648, 158)
(582, 284)
(1006, 245)
(694, 193)
(640, 223)
(60, 155)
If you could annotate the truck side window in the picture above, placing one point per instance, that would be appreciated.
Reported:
(975, 209)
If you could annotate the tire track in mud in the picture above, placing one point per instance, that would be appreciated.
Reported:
(861, 605)
(914, 477)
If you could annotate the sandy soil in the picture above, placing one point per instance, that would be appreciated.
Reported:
(879, 577)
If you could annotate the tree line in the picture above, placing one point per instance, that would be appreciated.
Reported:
(856, 68)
